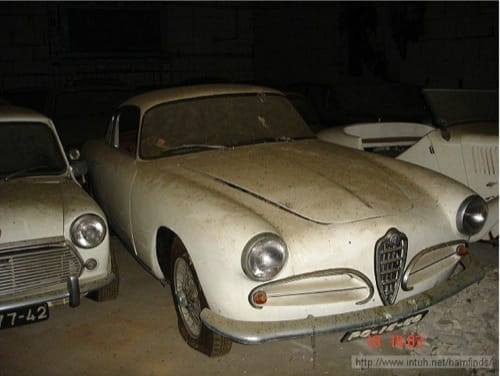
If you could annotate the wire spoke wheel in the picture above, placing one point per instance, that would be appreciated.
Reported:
(189, 301)
(187, 297)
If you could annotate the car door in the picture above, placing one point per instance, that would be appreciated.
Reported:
(117, 173)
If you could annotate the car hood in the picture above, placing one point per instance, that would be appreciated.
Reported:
(483, 133)
(321, 182)
(30, 209)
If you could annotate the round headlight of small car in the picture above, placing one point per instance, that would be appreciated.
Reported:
(264, 256)
(472, 215)
(88, 231)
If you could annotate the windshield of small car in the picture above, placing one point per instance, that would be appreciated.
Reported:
(220, 121)
(29, 149)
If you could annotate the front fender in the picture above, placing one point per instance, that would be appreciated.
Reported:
(76, 203)
(213, 227)
(447, 193)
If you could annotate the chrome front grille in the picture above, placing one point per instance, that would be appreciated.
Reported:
(33, 265)
(390, 260)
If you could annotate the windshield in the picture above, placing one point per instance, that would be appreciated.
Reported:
(225, 120)
(452, 106)
(29, 149)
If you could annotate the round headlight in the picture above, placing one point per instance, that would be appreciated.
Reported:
(88, 231)
(264, 256)
(472, 215)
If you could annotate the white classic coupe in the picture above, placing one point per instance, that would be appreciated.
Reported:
(463, 145)
(54, 243)
(265, 232)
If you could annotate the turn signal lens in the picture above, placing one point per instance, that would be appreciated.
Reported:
(462, 250)
(91, 264)
(260, 297)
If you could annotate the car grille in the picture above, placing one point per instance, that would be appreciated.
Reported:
(34, 265)
(485, 160)
(390, 260)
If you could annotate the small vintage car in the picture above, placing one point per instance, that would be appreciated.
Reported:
(54, 242)
(462, 143)
(265, 232)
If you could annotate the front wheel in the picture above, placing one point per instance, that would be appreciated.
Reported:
(189, 301)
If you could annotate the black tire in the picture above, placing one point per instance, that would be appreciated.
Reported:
(204, 340)
(110, 291)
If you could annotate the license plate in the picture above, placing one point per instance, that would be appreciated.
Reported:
(24, 315)
(381, 329)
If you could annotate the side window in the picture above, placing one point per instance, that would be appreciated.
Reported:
(126, 127)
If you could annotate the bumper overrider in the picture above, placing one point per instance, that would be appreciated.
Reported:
(250, 332)
(70, 292)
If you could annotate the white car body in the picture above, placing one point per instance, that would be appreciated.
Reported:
(39, 262)
(330, 205)
(467, 151)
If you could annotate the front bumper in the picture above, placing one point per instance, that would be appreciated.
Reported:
(61, 294)
(250, 332)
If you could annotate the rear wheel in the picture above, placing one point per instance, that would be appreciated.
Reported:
(189, 301)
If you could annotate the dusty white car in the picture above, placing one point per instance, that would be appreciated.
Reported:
(266, 233)
(54, 244)
(464, 147)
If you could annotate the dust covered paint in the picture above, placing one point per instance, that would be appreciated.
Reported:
(325, 207)
(40, 203)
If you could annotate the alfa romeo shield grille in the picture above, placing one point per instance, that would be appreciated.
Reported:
(390, 260)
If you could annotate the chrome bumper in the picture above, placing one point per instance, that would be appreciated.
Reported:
(250, 332)
(69, 292)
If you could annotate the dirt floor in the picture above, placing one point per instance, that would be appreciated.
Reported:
(137, 335)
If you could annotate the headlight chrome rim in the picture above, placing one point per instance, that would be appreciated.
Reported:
(249, 252)
(88, 222)
(465, 219)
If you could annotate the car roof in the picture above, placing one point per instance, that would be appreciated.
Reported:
(150, 99)
(9, 112)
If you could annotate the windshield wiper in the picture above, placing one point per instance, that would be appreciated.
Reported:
(192, 148)
(24, 171)
(281, 139)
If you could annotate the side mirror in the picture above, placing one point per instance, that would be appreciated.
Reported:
(79, 168)
(73, 154)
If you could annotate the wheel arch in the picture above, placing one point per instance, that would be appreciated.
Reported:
(164, 239)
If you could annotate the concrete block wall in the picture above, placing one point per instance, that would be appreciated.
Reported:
(24, 46)
(268, 42)
(297, 43)
(458, 48)
(213, 40)
(210, 41)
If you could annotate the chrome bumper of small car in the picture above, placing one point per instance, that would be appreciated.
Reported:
(66, 293)
(249, 332)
